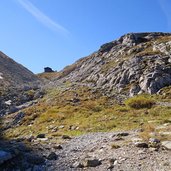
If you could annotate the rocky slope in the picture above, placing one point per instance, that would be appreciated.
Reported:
(133, 64)
(16, 84)
(91, 152)
(46, 133)
(13, 74)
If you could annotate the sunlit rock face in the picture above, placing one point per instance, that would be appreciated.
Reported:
(133, 64)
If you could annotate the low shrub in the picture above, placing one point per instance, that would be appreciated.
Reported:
(139, 102)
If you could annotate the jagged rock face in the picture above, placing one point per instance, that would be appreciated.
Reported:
(135, 63)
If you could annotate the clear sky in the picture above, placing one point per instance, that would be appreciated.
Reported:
(55, 33)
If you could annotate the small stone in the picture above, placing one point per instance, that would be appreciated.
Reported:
(61, 127)
(123, 134)
(153, 149)
(166, 144)
(30, 138)
(52, 156)
(154, 140)
(111, 161)
(110, 167)
(54, 129)
(43, 139)
(141, 152)
(58, 147)
(141, 144)
(115, 163)
(142, 158)
(118, 139)
(165, 133)
(92, 163)
(77, 165)
(136, 139)
(72, 127)
(66, 137)
(41, 136)
(154, 143)
(166, 164)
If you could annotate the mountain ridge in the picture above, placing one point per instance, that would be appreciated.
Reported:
(133, 52)
(15, 74)
(17, 84)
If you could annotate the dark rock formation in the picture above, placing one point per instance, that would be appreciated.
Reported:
(48, 69)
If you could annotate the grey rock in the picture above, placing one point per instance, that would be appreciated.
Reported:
(92, 163)
(66, 137)
(61, 127)
(18, 118)
(58, 147)
(41, 136)
(166, 144)
(154, 140)
(123, 134)
(141, 144)
(77, 165)
(13, 109)
(52, 156)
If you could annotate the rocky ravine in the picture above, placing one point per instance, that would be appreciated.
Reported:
(135, 63)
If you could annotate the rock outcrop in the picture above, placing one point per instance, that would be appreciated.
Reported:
(135, 63)
(48, 69)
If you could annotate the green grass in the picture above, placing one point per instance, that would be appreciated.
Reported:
(141, 101)
(93, 113)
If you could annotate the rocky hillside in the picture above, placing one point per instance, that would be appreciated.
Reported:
(13, 74)
(133, 64)
(16, 84)
(86, 119)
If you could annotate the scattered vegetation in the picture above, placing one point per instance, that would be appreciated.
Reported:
(48, 75)
(67, 70)
(78, 111)
(115, 146)
(139, 102)
(106, 67)
(163, 39)
(151, 130)
(149, 52)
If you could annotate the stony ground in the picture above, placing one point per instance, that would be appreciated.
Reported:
(107, 151)
(118, 151)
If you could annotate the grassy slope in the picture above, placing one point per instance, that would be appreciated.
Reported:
(92, 113)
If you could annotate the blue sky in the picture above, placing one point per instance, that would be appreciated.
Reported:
(55, 33)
